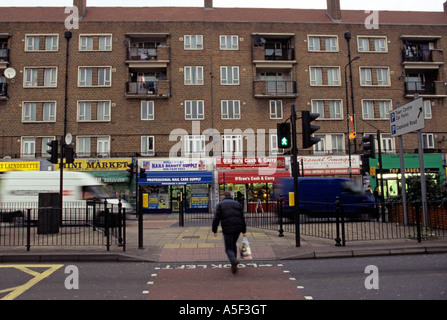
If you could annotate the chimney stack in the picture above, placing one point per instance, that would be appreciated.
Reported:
(333, 10)
(208, 4)
(445, 7)
(82, 7)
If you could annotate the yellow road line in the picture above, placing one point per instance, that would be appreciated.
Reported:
(37, 277)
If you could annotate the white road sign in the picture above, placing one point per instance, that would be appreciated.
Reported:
(407, 118)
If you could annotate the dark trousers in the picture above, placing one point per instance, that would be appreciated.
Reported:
(230, 240)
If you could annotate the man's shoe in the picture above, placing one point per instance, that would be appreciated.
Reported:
(234, 267)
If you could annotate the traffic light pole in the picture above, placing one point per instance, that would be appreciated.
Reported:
(295, 173)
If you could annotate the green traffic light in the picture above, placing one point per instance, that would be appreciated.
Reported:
(284, 142)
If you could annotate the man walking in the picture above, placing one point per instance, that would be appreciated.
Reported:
(231, 215)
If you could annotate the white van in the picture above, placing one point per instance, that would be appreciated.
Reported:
(20, 189)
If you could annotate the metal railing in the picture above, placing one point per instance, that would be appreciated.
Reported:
(80, 223)
(343, 222)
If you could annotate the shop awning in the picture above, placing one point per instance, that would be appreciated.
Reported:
(244, 177)
(177, 178)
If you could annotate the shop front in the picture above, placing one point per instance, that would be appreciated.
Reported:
(250, 180)
(111, 172)
(433, 164)
(168, 181)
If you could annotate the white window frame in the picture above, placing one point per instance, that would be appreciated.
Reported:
(51, 42)
(194, 145)
(103, 146)
(85, 76)
(193, 76)
(427, 110)
(232, 145)
(380, 44)
(146, 142)
(428, 140)
(45, 147)
(229, 42)
(316, 76)
(276, 109)
(328, 107)
(28, 147)
(230, 109)
(31, 77)
(194, 110)
(314, 43)
(104, 42)
(371, 107)
(147, 110)
(83, 146)
(326, 145)
(382, 74)
(193, 42)
(229, 75)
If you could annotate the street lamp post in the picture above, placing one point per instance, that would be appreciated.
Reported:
(347, 111)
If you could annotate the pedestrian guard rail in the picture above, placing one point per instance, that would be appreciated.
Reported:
(79, 223)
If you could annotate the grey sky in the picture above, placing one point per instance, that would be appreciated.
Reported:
(407, 5)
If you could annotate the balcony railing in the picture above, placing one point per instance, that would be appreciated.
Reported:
(159, 88)
(420, 87)
(275, 88)
(148, 54)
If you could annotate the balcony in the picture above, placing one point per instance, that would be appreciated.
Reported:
(273, 51)
(426, 89)
(422, 56)
(156, 57)
(148, 89)
(274, 89)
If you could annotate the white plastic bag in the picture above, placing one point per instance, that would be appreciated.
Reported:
(245, 249)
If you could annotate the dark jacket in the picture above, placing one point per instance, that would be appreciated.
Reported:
(231, 216)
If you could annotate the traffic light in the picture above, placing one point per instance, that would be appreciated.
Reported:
(369, 146)
(53, 151)
(130, 171)
(309, 129)
(284, 136)
(69, 155)
(143, 174)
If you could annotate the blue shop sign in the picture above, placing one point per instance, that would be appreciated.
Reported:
(176, 178)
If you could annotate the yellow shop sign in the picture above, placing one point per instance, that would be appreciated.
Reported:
(20, 166)
(97, 165)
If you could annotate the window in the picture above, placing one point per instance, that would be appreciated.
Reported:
(193, 75)
(274, 144)
(95, 77)
(103, 146)
(427, 109)
(147, 110)
(28, 147)
(40, 111)
(322, 43)
(229, 43)
(83, 146)
(325, 76)
(40, 77)
(94, 111)
(275, 109)
(328, 109)
(193, 42)
(229, 75)
(372, 44)
(376, 109)
(330, 144)
(231, 109)
(42, 43)
(147, 145)
(194, 145)
(232, 145)
(95, 43)
(374, 76)
(194, 110)
(428, 141)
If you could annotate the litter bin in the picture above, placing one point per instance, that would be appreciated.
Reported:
(49, 215)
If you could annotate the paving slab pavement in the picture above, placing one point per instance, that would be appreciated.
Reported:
(165, 241)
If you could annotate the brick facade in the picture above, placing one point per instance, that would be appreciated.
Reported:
(124, 127)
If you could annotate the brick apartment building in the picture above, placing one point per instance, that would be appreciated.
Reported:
(135, 76)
